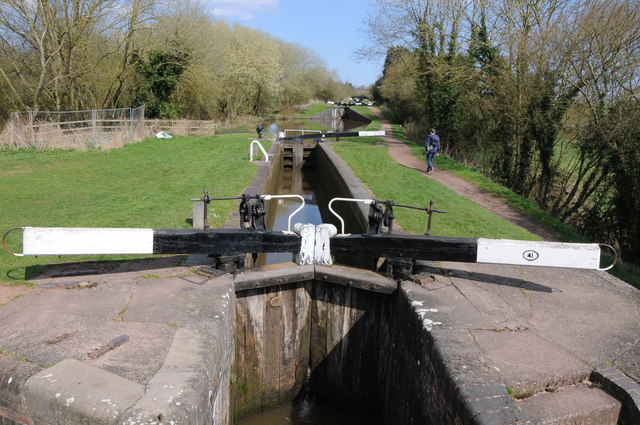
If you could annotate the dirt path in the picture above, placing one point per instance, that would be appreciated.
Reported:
(402, 154)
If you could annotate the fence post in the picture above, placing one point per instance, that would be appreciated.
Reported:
(130, 124)
(33, 133)
(95, 129)
(141, 125)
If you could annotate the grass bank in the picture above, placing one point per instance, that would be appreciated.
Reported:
(517, 202)
(389, 180)
(147, 184)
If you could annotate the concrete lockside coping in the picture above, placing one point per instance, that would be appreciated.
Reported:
(187, 389)
(623, 388)
(73, 392)
(470, 389)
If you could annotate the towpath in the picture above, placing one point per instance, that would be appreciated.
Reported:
(400, 152)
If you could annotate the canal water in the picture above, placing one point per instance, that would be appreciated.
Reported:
(306, 409)
(328, 124)
(310, 412)
(296, 182)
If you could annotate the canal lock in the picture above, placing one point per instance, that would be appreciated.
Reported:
(309, 339)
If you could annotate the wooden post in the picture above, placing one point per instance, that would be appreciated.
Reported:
(298, 153)
(199, 213)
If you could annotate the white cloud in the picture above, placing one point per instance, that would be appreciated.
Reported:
(241, 9)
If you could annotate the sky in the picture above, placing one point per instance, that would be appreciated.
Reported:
(331, 28)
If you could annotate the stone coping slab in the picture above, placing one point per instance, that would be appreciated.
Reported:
(179, 339)
(536, 329)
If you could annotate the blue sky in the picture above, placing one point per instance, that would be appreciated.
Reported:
(331, 28)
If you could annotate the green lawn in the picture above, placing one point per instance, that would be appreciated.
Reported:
(316, 109)
(147, 185)
(517, 202)
(390, 181)
(375, 122)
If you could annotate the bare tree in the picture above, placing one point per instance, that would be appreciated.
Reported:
(46, 49)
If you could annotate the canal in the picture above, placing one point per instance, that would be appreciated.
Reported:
(309, 407)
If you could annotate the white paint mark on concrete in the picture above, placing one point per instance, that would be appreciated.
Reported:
(428, 324)
(46, 376)
(69, 401)
(422, 312)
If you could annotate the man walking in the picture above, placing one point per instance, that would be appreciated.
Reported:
(432, 148)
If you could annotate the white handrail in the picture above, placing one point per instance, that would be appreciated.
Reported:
(366, 201)
(266, 156)
(268, 197)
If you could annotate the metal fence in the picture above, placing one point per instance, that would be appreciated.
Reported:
(93, 129)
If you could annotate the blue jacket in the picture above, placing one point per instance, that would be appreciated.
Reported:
(433, 143)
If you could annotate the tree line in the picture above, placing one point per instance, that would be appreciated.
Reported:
(542, 95)
(167, 54)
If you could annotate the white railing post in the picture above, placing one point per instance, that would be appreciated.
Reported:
(365, 201)
(255, 142)
(268, 197)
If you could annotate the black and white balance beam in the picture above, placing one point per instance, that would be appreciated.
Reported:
(336, 134)
(120, 241)
(113, 241)
(471, 250)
